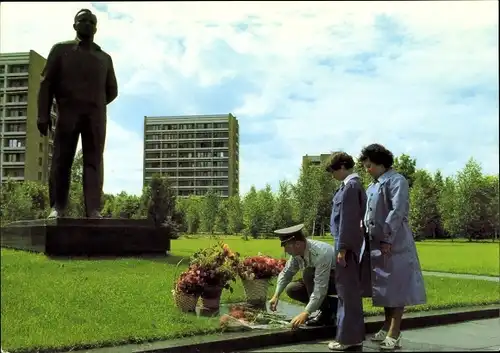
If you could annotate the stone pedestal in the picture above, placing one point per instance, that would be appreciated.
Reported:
(87, 237)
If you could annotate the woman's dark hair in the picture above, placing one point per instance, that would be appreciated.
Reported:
(377, 154)
(339, 159)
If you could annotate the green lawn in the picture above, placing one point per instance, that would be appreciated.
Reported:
(62, 304)
(478, 258)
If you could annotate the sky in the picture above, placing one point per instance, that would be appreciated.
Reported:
(311, 77)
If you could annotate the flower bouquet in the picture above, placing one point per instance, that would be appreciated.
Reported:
(188, 289)
(242, 318)
(217, 266)
(255, 273)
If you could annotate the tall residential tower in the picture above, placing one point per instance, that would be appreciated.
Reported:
(197, 153)
(24, 153)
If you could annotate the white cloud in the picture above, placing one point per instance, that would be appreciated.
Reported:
(408, 103)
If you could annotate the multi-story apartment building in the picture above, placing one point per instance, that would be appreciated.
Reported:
(24, 153)
(197, 153)
(315, 160)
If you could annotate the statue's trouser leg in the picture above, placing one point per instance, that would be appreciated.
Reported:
(93, 130)
(65, 142)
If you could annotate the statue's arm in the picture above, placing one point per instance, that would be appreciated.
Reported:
(50, 77)
(111, 84)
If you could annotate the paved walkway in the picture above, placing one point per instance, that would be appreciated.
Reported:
(482, 335)
(462, 276)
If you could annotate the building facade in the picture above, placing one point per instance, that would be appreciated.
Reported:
(315, 160)
(197, 153)
(24, 153)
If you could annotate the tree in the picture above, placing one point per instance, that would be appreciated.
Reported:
(423, 205)
(209, 208)
(327, 185)
(406, 166)
(234, 215)
(221, 222)
(283, 210)
(15, 203)
(307, 194)
(125, 206)
(192, 213)
(39, 195)
(251, 213)
(469, 200)
(366, 178)
(492, 204)
(447, 207)
(76, 201)
(266, 205)
(161, 202)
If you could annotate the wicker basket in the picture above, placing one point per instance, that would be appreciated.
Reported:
(185, 302)
(256, 291)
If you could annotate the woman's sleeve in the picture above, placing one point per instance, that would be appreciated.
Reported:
(398, 197)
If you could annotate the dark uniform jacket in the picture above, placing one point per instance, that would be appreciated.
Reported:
(77, 78)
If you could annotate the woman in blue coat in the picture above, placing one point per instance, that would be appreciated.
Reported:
(396, 276)
(348, 209)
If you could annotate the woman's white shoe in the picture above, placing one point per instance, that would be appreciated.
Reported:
(390, 344)
(379, 336)
(337, 346)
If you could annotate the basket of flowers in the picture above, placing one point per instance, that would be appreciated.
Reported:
(255, 273)
(188, 289)
(218, 267)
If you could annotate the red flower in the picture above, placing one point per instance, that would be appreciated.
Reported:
(260, 267)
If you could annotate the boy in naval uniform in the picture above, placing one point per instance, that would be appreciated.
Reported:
(317, 261)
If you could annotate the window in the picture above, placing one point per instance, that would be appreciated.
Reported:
(17, 98)
(39, 175)
(17, 69)
(40, 147)
(40, 161)
(16, 83)
(14, 143)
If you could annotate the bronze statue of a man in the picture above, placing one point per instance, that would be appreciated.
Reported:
(81, 77)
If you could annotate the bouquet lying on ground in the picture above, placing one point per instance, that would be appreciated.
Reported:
(241, 317)
(260, 267)
(216, 265)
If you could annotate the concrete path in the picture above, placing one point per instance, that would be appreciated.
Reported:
(482, 335)
(462, 276)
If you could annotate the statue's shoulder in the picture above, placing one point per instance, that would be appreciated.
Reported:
(65, 43)
(98, 47)
(61, 46)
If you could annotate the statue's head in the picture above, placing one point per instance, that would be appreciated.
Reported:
(85, 24)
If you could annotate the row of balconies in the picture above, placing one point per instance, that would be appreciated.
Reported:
(14, 69)
(149, 171)
(151, 127)
(204, 143)
(189, 167)
(202, 187)
(14, 98)
(222, 175)
(14, 85)
(208, 159)
(181, 147)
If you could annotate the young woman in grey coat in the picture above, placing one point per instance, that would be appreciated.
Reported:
(348, 209)
(397, 279)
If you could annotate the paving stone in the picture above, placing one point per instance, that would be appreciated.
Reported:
(473, 335)
(462, 276)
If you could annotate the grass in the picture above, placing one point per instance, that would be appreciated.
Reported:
(61, 304)
(479, 258)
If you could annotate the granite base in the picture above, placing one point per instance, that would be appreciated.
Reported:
(87, 237)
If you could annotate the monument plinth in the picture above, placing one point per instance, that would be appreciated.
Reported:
(87, 237)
